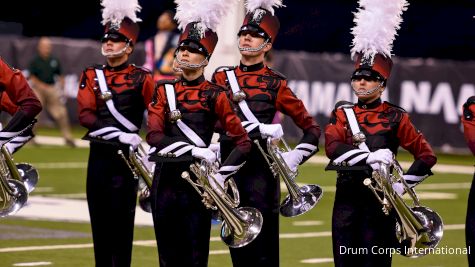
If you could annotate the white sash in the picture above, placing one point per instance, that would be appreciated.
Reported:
(242, 104)
(354, 126)
(110, 104)
(189, 133)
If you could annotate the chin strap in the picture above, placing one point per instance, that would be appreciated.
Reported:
(188, 65)
(251, 49)
(115, 54)
(380, 85)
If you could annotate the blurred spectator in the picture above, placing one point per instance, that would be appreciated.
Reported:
(160, 48)
(47, 82)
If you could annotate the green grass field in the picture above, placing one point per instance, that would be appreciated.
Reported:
(449, 201)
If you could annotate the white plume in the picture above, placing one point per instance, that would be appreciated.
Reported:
(268, 5)
(377, 22)
(115, 11)
(208, 13)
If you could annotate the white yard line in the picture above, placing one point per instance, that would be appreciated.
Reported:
(38, 263)
(219, 252)
(149, 243)
(68, 210)
(454, 227)
(75, 210)
(58, 141)
(34, 248)
(317, 260)
(307, 223)
(60, 165)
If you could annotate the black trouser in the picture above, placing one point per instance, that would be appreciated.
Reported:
(182, 223)
(362, 235)
(470, 225)
(259, 189)
(111, 196)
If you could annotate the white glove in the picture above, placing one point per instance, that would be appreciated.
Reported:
(12, 146)
(380, 156)
(399, 188)
(150, 165)
(271, 130)
(375, 166)
(293, 159)
(219, 179)
(215, 147)
(204, 153)
(131, 139)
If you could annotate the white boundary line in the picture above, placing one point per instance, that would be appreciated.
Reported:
(38, 263)
(150, 243)
(317, 260)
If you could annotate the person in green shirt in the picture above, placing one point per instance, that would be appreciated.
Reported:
(47, 82)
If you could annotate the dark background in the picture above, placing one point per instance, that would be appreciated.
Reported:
(440, 29)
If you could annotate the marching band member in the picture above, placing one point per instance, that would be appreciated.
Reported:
(19, 100)
(112, 99)
(468, 122)
(181, 122)
(257, 93)
(380, 128)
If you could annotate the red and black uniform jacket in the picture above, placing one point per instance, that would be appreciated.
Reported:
(385, 126)
(266, 93)
(17, 98)
(201, 104)
(7, 105)
(468, 120)
(132, 89)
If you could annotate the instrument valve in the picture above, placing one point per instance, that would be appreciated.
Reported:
(208, 201)
(386, 206)
(274, 169)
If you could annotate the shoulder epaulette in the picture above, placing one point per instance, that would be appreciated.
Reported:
(470, 101)
(8, 64)
(343, 104)
(277, 73)
(395, 106)
(97, 66)
(142, 68)
(169, 81)
(467, 113)
(225, 68)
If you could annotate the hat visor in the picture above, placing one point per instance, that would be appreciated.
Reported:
(366, 73)
(193, 47)
(114, 36)
(255, 30)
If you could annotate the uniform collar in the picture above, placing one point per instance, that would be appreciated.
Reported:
(122, 66)
(194, 82)
(250, 68)
(371, 105)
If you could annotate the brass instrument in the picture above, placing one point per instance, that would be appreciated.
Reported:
(418, 228)
(300, 199)
(16, 182)
(240, 225)
(142, 172)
